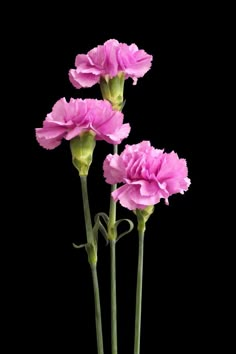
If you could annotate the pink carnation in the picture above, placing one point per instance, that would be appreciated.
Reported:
(148, 175)
(69, 119)
(109, 59)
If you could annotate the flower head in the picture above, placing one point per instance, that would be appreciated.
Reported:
(147, 174)
(70, 119)
(107, 61)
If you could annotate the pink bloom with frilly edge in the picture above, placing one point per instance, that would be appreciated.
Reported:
(69, 119)
(147, 174)
(109, 59)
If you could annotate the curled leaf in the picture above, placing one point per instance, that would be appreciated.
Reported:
(131, 226)
(79, 246)
(98, 226)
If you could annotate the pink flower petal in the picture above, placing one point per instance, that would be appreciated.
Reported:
(69, 119)
(118, 135)
(109, 59)
(79, 79)
(49, 139)
(148, 175)
(124, 195)
(114, 169)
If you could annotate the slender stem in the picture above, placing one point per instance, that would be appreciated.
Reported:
(98, 320)
(139, 294)
(87, 216)
(112, 210)
(113, 298)
(112, 237)
(92, 257)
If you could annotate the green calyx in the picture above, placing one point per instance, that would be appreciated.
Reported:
(82, 148)
(142, 216)
(113, 90)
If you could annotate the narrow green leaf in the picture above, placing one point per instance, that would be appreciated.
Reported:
(79, 246)
(131, 226)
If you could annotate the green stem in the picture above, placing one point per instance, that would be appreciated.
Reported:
(112, 234)
(113, 298)
(112, 210)
(87, 216)
(98, 320)
(92, 258)
(139, 294)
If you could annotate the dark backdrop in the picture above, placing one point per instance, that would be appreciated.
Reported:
(52, 280)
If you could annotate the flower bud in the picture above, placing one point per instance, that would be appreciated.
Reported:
(82, 151)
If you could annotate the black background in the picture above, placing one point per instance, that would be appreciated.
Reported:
(54, 301)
